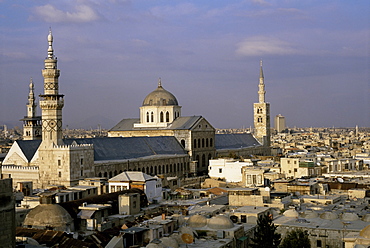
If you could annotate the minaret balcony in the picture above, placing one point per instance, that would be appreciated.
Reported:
(52, 104)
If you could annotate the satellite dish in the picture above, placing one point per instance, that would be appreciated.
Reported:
(186, 234)
(340, 180)
(187, 238)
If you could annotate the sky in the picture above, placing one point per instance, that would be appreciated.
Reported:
(207, 53)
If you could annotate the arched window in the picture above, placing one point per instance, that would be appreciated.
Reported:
(198, 143)
(167, 117)
(105, 174)
(143, 169)
(151, 170)
(183, 143)
(155, 170)
(197, 159)
(209, 157)
(151, 117)
(147, 170)
(170, 168)
(206, 142)
(211, 142)
(99, 175)
(159, 169)
(161, 117)
(195, 143)
(110, 174)
(115, 173)
(167, 168)
(147, 116)
(203, 142)
(203, 160)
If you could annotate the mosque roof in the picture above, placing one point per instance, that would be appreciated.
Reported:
(180, 123)
(117, 148)
(29, 147)
(235, 141)
(160, 97)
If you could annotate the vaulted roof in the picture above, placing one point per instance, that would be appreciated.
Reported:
(235, 141)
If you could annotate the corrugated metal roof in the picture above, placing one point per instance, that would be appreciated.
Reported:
(135, 176)
(235, 141)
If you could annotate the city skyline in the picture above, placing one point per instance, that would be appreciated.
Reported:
(111, 54)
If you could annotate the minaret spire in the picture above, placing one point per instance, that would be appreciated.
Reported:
(51, 102)
(31, 100)
(31, 122)
(261, 86)
(159, 83)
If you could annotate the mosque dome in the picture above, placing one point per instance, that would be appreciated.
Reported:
(349, 216)
(49, 215)
(169, 242)
(309, 214)
(220, 222)
(197, 221)
(160, 97)
(291, 213)
(328, 216)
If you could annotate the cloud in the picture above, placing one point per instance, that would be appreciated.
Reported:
(178, 10)
(81, 13)
(262, 45)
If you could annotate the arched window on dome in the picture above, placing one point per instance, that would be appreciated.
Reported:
(147, 116)
(167, 117)
(151, 117)
(161, 117)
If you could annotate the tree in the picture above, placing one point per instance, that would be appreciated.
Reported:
(265, 234)
(296, 239)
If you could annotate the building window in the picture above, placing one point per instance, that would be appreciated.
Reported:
(161, 117)
(195, 143)
(147, 116)
(112, 189)
(81, 161)
(59, 174)
(220, 170)
(206, 142)
(202, 142)
(198, 143)
(167, 117)
(210, 142)
(318, 243)
(59, 162)
(151, 117)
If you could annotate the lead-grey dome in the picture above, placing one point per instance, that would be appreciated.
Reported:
(160, 97)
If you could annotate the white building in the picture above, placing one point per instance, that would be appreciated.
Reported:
(227, 169)
(152, 186)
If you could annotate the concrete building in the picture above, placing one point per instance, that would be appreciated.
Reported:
(152, 186)
(7, 213)
(227, 169)
(280, 123)
(299, 167)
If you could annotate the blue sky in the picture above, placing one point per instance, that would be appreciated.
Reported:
(111, 53)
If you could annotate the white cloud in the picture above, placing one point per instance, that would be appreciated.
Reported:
(81, 13)
(262, 45)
